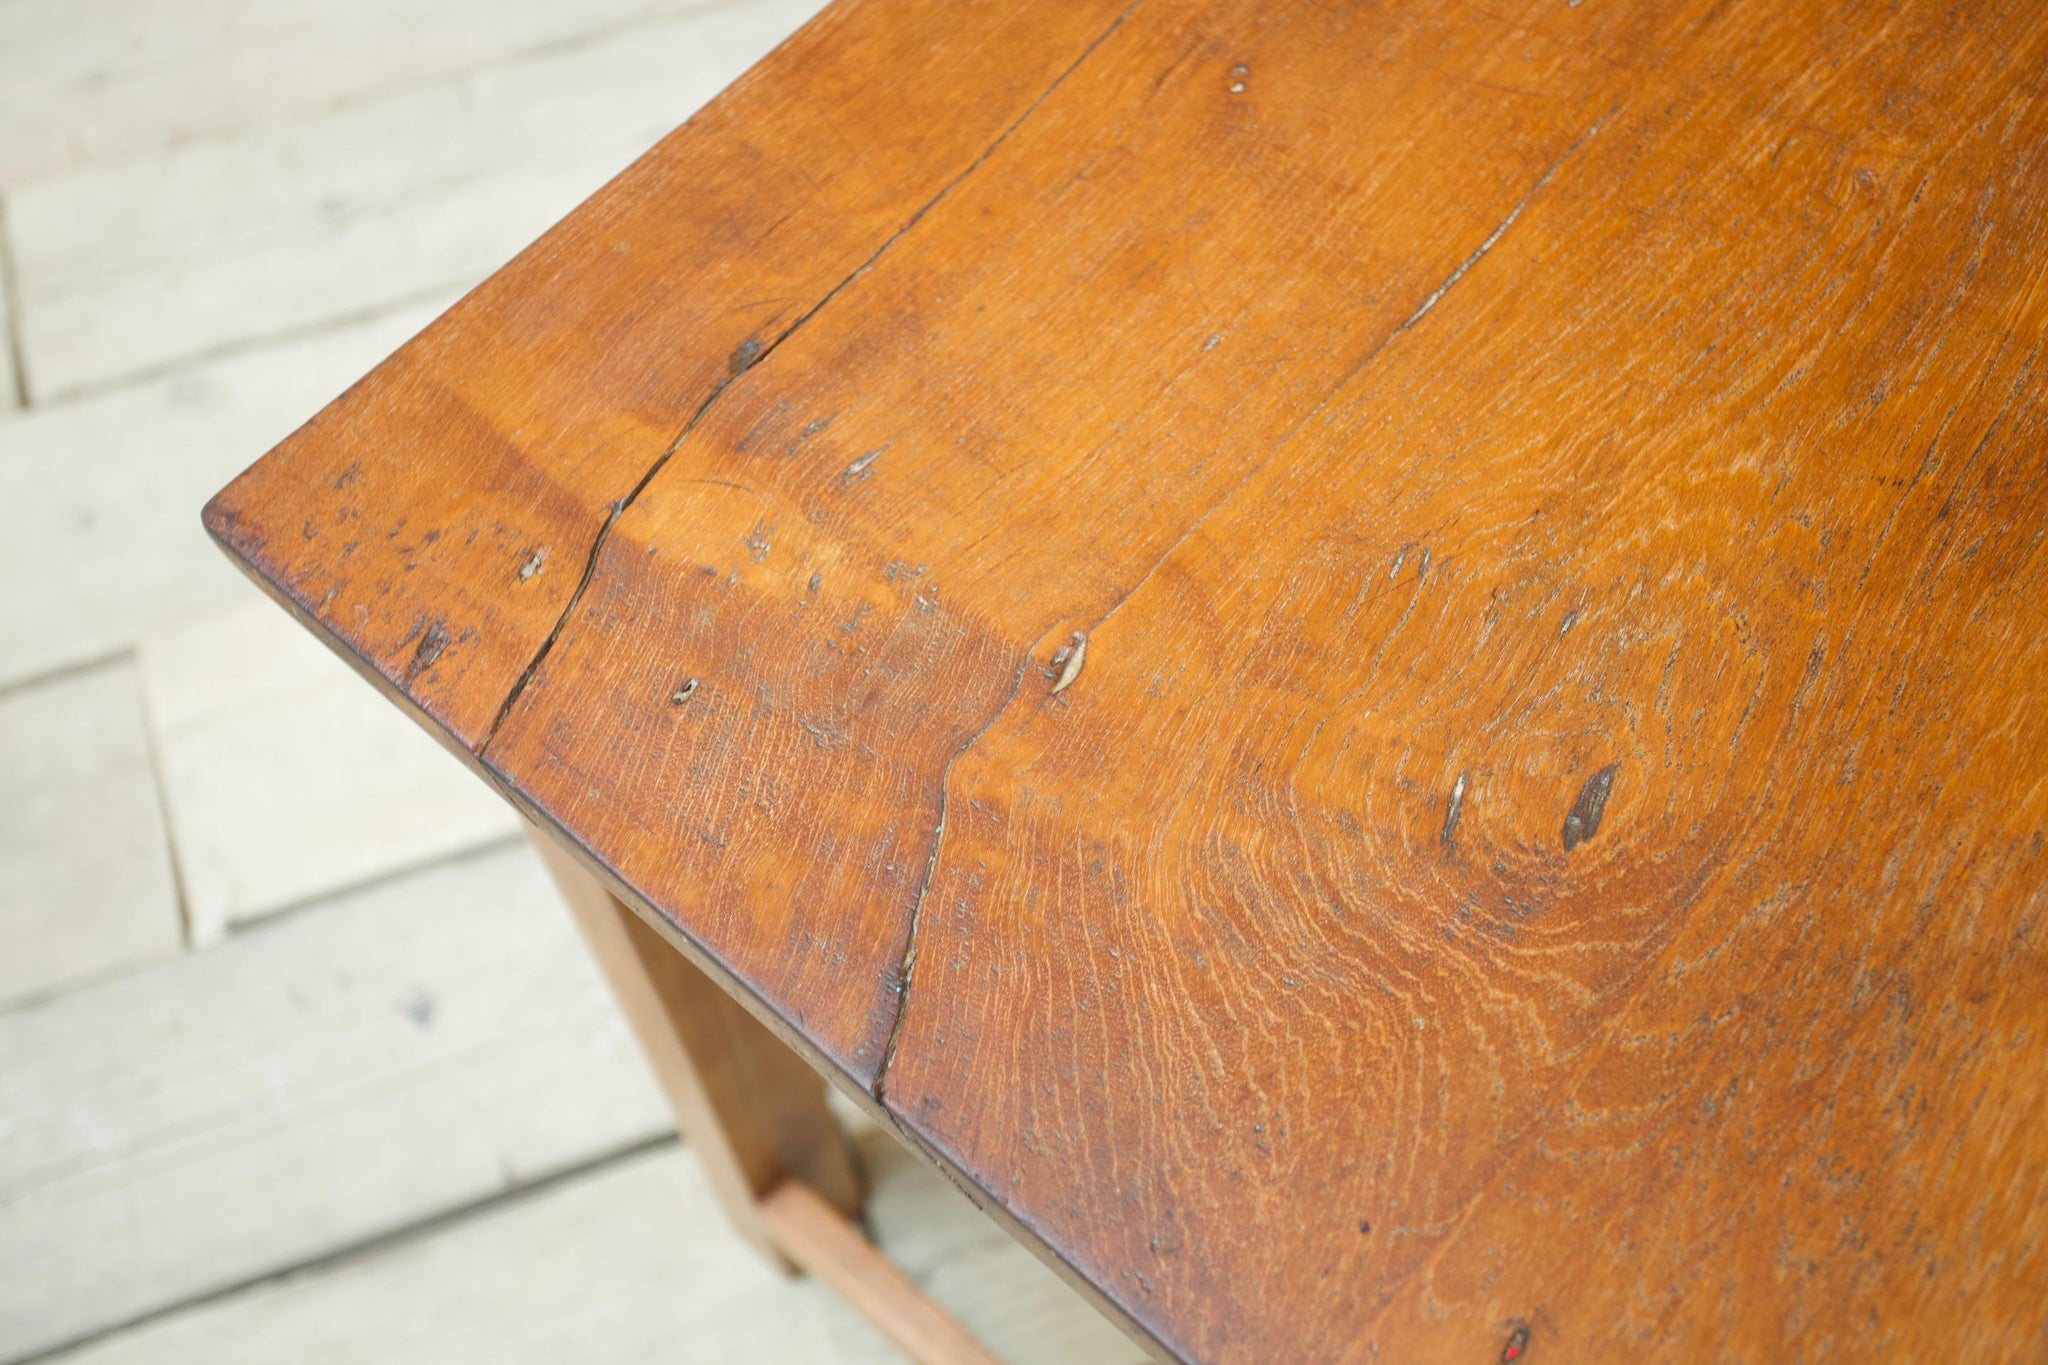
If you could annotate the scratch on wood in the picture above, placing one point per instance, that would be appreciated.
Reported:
(811, 429)
(684, 693)
(858, 470)
(1072, 655)
(1499, 232)
(1584, 820)
(533, 565)
(431, 644)
(1453, 809)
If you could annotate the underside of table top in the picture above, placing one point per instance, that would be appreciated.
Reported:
(1535, 838)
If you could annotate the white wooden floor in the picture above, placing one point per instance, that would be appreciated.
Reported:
(299, 1058)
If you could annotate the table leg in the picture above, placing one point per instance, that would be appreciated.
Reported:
(752, 1109)
(756, 1114)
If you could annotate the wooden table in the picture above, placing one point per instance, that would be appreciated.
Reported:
(1382, 668)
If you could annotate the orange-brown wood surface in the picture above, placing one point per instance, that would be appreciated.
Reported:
(1381, 666)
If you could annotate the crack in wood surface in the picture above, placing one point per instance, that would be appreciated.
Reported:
(757, 357)
(908, 962)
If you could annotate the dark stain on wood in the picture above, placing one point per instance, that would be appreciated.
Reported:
(433, 641)
(1583, 821)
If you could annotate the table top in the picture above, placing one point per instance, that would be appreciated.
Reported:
(1380, 666)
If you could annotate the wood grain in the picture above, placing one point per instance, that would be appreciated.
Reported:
(1536, 839)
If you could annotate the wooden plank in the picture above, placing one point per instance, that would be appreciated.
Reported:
(132, 266)
(635, 1262)
(285, 779)
(818, 1237)
(327, 1079)
(96, 495)
(85, 872)
(1382, 676)
(753, 1112)
(90, 81)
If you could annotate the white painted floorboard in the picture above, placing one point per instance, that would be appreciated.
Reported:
(90, 81)
(288, 777)
(100, 498)
(338, 1074)
(630, 1264)
(126, 268)
(10, 391)
(85, 873)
